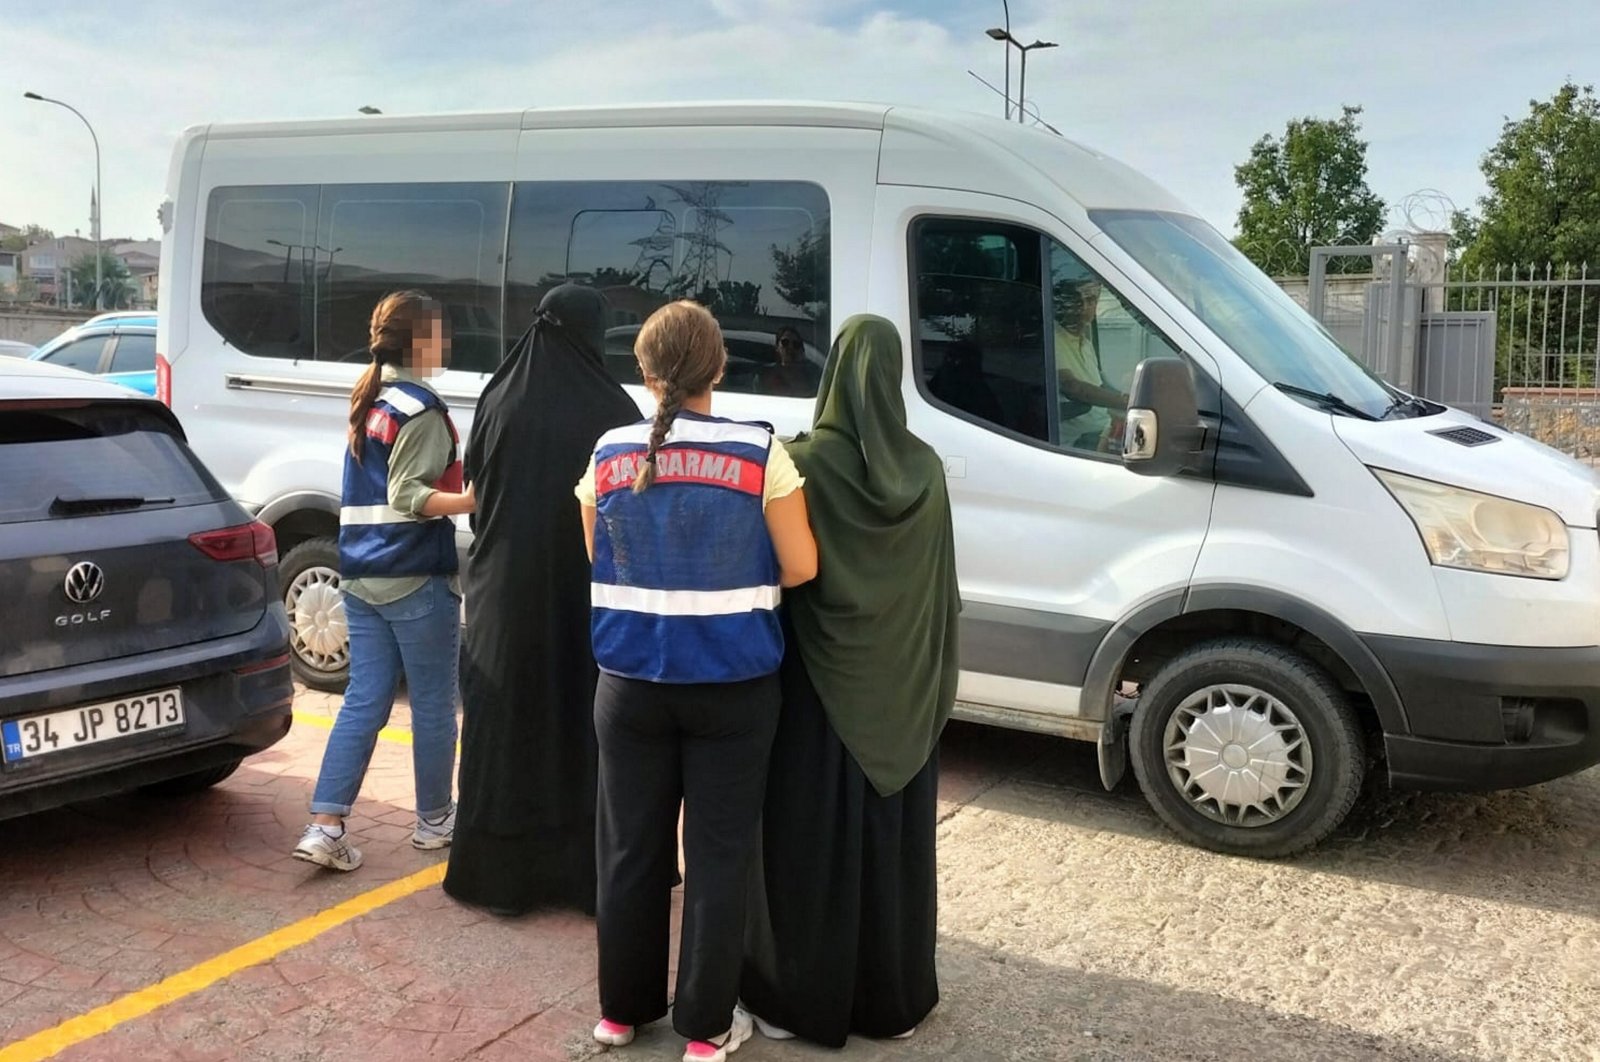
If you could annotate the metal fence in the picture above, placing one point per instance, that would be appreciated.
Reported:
(1518, 344)
(1547, 322)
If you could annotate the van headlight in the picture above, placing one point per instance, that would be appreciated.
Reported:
(1480, 532)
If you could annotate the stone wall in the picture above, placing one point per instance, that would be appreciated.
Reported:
(1565, 418)
(39, 326)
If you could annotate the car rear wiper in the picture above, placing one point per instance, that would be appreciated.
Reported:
(84, 504)
(1325, 399)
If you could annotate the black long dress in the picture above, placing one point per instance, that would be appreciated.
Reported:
(849, 886)
(525, 828)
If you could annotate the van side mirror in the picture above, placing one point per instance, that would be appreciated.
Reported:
(1163, 424)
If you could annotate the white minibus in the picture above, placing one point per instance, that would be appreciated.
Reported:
(1189, 527)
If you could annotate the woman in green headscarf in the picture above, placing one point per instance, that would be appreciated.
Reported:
(841, 940)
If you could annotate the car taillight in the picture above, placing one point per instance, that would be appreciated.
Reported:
(254, 541)
(164, 380)
(272, 664)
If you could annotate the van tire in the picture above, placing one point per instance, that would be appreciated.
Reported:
(190, 784)
(1288, 700)
(309, 572)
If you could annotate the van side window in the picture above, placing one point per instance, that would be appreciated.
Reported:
(754, 252)
(442, 238)
(294, 271)
(1015, 331)
(981, 342)
(1098, 340)
(256, 280)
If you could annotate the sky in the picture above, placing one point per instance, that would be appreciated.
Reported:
(1178, 88)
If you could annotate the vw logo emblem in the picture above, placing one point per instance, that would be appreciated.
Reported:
(85, 581)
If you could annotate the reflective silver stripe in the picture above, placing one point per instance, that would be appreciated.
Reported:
(401, 401)
(368, 515)
(689, 431)
(684, 602)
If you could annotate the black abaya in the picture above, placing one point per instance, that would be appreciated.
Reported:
(841, 938)
(525, 828)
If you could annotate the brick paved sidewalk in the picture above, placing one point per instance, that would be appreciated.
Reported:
(1431, 928)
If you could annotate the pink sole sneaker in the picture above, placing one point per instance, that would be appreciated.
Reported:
(613, 1034)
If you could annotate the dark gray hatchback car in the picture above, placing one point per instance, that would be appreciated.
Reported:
(143, 641)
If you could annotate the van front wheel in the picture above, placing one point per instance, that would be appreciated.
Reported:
(319, 640)
(1245, 747)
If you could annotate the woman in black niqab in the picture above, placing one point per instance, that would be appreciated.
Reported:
(525, 827)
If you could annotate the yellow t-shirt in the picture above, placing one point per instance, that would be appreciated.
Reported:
(781, 480)
(1075, 354)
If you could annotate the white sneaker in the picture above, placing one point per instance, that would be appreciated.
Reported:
(769, 1030)
(719, 1048)
(320, 845)
(613, 1034)
(436, 834)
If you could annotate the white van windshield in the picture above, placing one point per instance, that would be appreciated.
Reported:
(1249, 312)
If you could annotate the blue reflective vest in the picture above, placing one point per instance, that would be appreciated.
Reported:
(374, 539)
(685, 584)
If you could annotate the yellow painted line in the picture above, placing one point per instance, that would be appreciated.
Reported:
(50, 1042)
(388, 733)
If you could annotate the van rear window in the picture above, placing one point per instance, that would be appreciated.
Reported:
(89, 460)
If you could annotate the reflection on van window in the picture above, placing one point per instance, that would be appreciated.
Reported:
(442, 238)
(754, 252)
(1242, 305)
(980, 337)
(986, 348)
(1099, 341)
(294, 271)
(257, 275)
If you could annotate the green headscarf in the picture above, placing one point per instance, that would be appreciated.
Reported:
(877, 627)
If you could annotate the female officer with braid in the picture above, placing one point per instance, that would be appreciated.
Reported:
(694, 523)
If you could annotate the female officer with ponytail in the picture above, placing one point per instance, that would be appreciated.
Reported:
(397, 559)
(694, 523)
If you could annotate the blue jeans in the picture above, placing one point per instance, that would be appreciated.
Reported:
(420, 636)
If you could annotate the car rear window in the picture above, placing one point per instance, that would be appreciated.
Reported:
(58, 461)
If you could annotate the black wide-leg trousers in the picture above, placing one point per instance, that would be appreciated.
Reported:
(705, 747)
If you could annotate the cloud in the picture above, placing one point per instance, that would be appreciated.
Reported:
(1179, 90)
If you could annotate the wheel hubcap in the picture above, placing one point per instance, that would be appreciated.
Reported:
(1238, 755)
(319, 635)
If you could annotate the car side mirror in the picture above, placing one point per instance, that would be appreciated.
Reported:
(1163, 423)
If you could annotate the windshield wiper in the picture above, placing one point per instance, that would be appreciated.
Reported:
(1417, 406)
(1326, 399)
(83, 504)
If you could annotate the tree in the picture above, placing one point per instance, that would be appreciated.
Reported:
(1539, 224)
(117, 281)
(737, 298)
(1543, 203)
(800, 271)
(19, 241)
(1305, 189)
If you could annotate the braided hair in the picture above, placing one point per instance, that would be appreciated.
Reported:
(681, 354)
(394, 328)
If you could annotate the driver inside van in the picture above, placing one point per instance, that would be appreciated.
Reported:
(1086, 402)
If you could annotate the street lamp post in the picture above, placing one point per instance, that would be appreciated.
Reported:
(1022, 78)
(1005, 35)
(99, 196)
(1022, 84)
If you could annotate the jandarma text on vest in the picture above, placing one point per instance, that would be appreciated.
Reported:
(682, 465)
